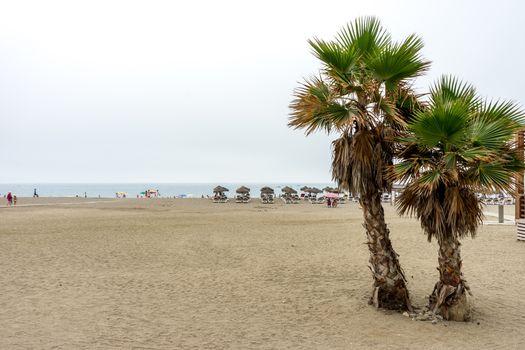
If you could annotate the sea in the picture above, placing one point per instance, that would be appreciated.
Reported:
(109, 190)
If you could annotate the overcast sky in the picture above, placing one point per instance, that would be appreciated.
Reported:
(198, 91)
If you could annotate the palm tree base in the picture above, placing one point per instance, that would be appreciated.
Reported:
(390, 291)
(452, 303)
(395, 298)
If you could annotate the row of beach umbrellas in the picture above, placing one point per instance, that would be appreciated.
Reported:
(242, 189)
(285, 189)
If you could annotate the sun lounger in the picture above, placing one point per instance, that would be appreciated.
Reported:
(287, 199)
(266, 198)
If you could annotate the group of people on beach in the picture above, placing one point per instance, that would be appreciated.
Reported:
(331, 202)
(11, 199)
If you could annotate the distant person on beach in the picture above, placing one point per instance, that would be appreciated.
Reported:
(85, 195)
(9, 199)
(14, 199)
(34, 193)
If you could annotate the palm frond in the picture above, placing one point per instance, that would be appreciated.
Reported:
(490, 134)
(450, 88)
(442, 125)
(502, 110)
(341, 162)
(398, 62)
(365, 34)
(339, 62)
(315, 107)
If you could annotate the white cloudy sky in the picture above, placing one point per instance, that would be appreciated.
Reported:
(197, 91)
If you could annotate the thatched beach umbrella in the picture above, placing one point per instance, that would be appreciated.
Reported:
(267, 190)
(304, 188)
(331, 189)
(243, 189)
(287, 189)
(315, 190)
(220, 189)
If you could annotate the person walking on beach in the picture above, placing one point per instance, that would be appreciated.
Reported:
(9, 199)
(14, 199)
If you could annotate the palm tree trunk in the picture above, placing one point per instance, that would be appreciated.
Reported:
(390, 289)
(449, 298)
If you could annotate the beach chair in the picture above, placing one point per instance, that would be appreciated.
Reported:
(287, 199)
(270, 199)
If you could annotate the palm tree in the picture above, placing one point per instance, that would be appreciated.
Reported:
(363, 93)
(459, 146)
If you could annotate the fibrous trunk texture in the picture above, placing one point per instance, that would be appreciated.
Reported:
(390, 289)
(450, 296)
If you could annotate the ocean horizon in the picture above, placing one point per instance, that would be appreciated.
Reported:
(109, 190)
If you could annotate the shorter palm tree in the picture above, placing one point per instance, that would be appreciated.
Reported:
(457, 147)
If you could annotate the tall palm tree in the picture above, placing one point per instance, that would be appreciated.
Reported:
(459, 146)
(363, 93)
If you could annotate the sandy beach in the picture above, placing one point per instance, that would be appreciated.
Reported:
(189, 274)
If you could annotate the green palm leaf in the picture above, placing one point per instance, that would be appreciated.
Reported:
(449, 88)
(340, 63)
(399, 62)
(366, 35)
(490, 134)
(502, 110)
(442, 125)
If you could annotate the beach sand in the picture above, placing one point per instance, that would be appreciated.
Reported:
(190, 274)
